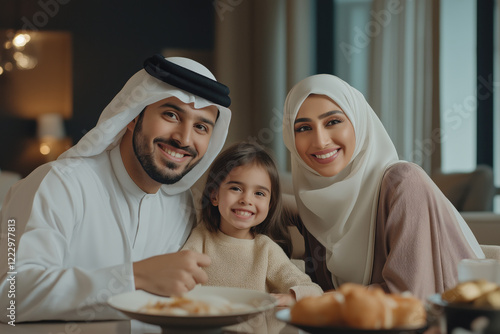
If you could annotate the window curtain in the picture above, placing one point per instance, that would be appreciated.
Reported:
(496, 101)
(404, 76)
(262, 48)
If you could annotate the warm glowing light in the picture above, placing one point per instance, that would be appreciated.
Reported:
(21, 40)
(1, 70)
(23, 61)
(14, 53)
(44, 148)
(8, 66)
(18, 55)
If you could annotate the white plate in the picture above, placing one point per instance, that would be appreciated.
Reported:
(129, 303)
(284, 315)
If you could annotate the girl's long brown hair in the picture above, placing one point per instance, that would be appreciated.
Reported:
(241, 154)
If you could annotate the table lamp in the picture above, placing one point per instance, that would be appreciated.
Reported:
(40, 89)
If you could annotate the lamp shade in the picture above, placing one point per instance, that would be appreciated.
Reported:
(50, 125)
(45, 89)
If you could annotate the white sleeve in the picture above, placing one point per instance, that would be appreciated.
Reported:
(40, 285)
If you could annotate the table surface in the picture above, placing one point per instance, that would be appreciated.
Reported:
(265, 323)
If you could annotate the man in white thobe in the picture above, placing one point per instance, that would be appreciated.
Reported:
(110, 215)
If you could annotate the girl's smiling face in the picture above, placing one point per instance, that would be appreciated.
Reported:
(324, 135)
(243, 199)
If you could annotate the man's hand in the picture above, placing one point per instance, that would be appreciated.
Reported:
(171, 274)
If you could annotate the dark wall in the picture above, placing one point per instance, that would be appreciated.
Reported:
(111, 39)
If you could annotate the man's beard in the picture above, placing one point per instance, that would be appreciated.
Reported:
(163, 175)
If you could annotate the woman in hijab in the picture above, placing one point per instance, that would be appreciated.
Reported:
(367, 217)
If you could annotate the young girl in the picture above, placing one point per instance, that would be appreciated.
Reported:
(240, 218)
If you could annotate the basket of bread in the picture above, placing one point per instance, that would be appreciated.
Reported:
(354, 307)
(472, 305)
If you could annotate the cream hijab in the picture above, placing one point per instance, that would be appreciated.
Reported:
(341, 211)
(141, 90)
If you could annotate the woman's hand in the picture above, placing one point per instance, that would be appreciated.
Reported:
(284, 299)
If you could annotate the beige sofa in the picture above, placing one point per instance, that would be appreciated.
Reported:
(472, 194)
(485, 226)
(7, 180)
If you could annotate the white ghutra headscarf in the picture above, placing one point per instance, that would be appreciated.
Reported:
(141, 90)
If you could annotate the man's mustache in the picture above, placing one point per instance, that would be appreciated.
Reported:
(175, 144)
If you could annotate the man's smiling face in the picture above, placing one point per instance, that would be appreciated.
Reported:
(171, 137)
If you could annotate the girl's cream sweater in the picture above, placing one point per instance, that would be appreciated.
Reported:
(258, 264)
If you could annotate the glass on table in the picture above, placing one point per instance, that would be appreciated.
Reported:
(474, 269)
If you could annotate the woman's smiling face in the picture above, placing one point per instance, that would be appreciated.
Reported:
(324, 135)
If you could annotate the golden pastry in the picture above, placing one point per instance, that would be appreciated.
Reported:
(324, 310)
(469, 291)
(490, 299)
(356, 306)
